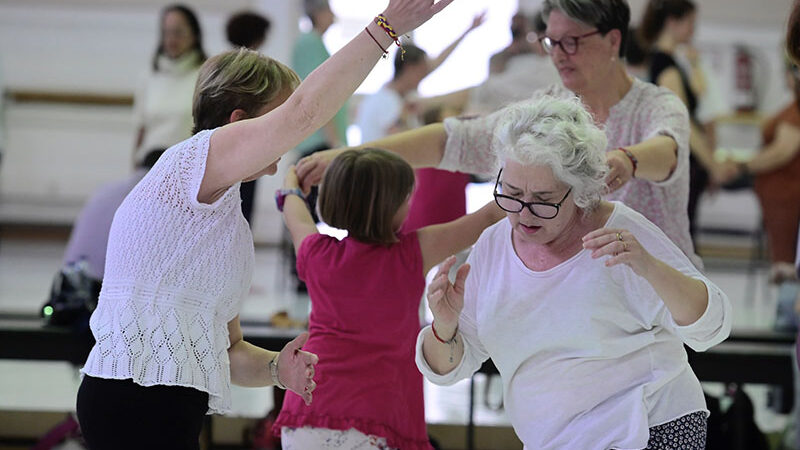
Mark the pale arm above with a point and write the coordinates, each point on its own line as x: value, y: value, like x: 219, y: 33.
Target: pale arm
x: 421, y: 147
x: 685, y: 297
x: 238, y: 150
x: 697, y: 77
x: 779, y: 152
x: 296, y: 214
x: 456, y: 99
x: 249, y: 364
x: 698, y: 144
x: 656, y: 158
x: 442, y: 240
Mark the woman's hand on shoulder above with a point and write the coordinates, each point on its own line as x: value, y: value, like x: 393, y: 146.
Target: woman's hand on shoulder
x: 311, y: 168
x: 296, y: 368
x: 446, y: 299
x: 622, y: 247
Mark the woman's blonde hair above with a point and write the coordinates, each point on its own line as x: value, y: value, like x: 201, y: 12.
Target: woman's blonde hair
x: 361, y: 192
x: 237, y: 79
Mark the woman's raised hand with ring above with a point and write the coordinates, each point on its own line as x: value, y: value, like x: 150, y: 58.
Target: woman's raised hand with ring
x: 446, y: 299
x: 406, y: 15
x: 622, y: 247
x: 296, y: 368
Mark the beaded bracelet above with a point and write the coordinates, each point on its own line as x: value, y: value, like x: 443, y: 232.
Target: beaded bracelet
x: 384, y: 23
x: 385, y: 53
x: 632, y: 158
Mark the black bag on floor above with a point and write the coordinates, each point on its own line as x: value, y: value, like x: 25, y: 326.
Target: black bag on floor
x: 736, y: 427
x: 73, y: 297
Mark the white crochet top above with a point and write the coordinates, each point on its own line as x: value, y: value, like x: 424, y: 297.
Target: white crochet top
x: 176, y: 273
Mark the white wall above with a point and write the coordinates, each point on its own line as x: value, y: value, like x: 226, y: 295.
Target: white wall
x: 57, y: 154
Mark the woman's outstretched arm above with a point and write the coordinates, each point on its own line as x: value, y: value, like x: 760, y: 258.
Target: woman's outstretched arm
x: 242, y: 149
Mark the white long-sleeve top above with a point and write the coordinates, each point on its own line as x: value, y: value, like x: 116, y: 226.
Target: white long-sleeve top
x: 589, y: 355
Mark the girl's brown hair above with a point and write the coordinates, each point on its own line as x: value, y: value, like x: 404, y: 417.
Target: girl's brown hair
x: 361, y: 192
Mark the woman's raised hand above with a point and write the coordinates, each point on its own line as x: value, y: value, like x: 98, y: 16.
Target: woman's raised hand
x: 622, y: 246
x: 406, y: 15
x: 446, y: 299
x: 296, y: 368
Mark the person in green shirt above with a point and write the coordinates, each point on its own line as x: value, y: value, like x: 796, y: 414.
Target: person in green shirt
x: 308, y: 53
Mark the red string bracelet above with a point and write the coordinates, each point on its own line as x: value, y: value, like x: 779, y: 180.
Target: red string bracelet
x: 384, y: 23
x: 632, y: 158
x: 385, y: 53
x: 436, y: 335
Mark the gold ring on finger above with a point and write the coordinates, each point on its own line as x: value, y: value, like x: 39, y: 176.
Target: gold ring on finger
x: 624, y: 246
x: 619, y: 236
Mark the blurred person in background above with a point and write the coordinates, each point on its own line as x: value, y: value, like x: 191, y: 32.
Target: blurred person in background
x: 249, y: 30
x: 395, y: 107
x: 666, y: 25
x: 521, y: 39
x: 776, y: 171
x: 162, y: 105
x: 89, y: 236
x: 309, y: 52
x: 523, y: 72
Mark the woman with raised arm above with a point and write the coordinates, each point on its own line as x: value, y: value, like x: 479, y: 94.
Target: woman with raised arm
x: 647, y: 126
x: 180, y: 254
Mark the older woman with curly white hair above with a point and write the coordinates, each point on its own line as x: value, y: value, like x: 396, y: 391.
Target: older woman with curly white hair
x: 583, y: 304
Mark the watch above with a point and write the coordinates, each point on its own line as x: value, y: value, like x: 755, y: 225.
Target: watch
x: 280, y: 196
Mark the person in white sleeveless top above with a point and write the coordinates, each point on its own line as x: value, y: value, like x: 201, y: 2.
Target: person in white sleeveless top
x: 180, y: 254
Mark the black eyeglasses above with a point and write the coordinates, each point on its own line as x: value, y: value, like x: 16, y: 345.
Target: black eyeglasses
x: 568, y: 44
x: 542, y: 210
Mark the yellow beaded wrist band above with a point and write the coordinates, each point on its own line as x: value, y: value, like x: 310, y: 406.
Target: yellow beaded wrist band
x: 384, y: 23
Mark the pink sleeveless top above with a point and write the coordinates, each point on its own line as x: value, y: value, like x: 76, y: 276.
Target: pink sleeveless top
x: 363, y: 325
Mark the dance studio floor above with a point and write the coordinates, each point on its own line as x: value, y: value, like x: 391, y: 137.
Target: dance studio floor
x: 27, y: 265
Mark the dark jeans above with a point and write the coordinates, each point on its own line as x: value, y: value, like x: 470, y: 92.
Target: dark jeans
x: 120, y: 414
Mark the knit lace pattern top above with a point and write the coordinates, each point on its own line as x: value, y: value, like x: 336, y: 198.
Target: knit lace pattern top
x: 176, y: 273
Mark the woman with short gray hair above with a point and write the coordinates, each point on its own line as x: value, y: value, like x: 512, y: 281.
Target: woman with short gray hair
x: 583, y: 304
x: 647, y: 126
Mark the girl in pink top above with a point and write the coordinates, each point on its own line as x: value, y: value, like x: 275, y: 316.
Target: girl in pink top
x: 365, y: 292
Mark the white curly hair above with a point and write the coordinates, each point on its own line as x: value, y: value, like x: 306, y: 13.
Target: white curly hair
x: 559, y: 133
